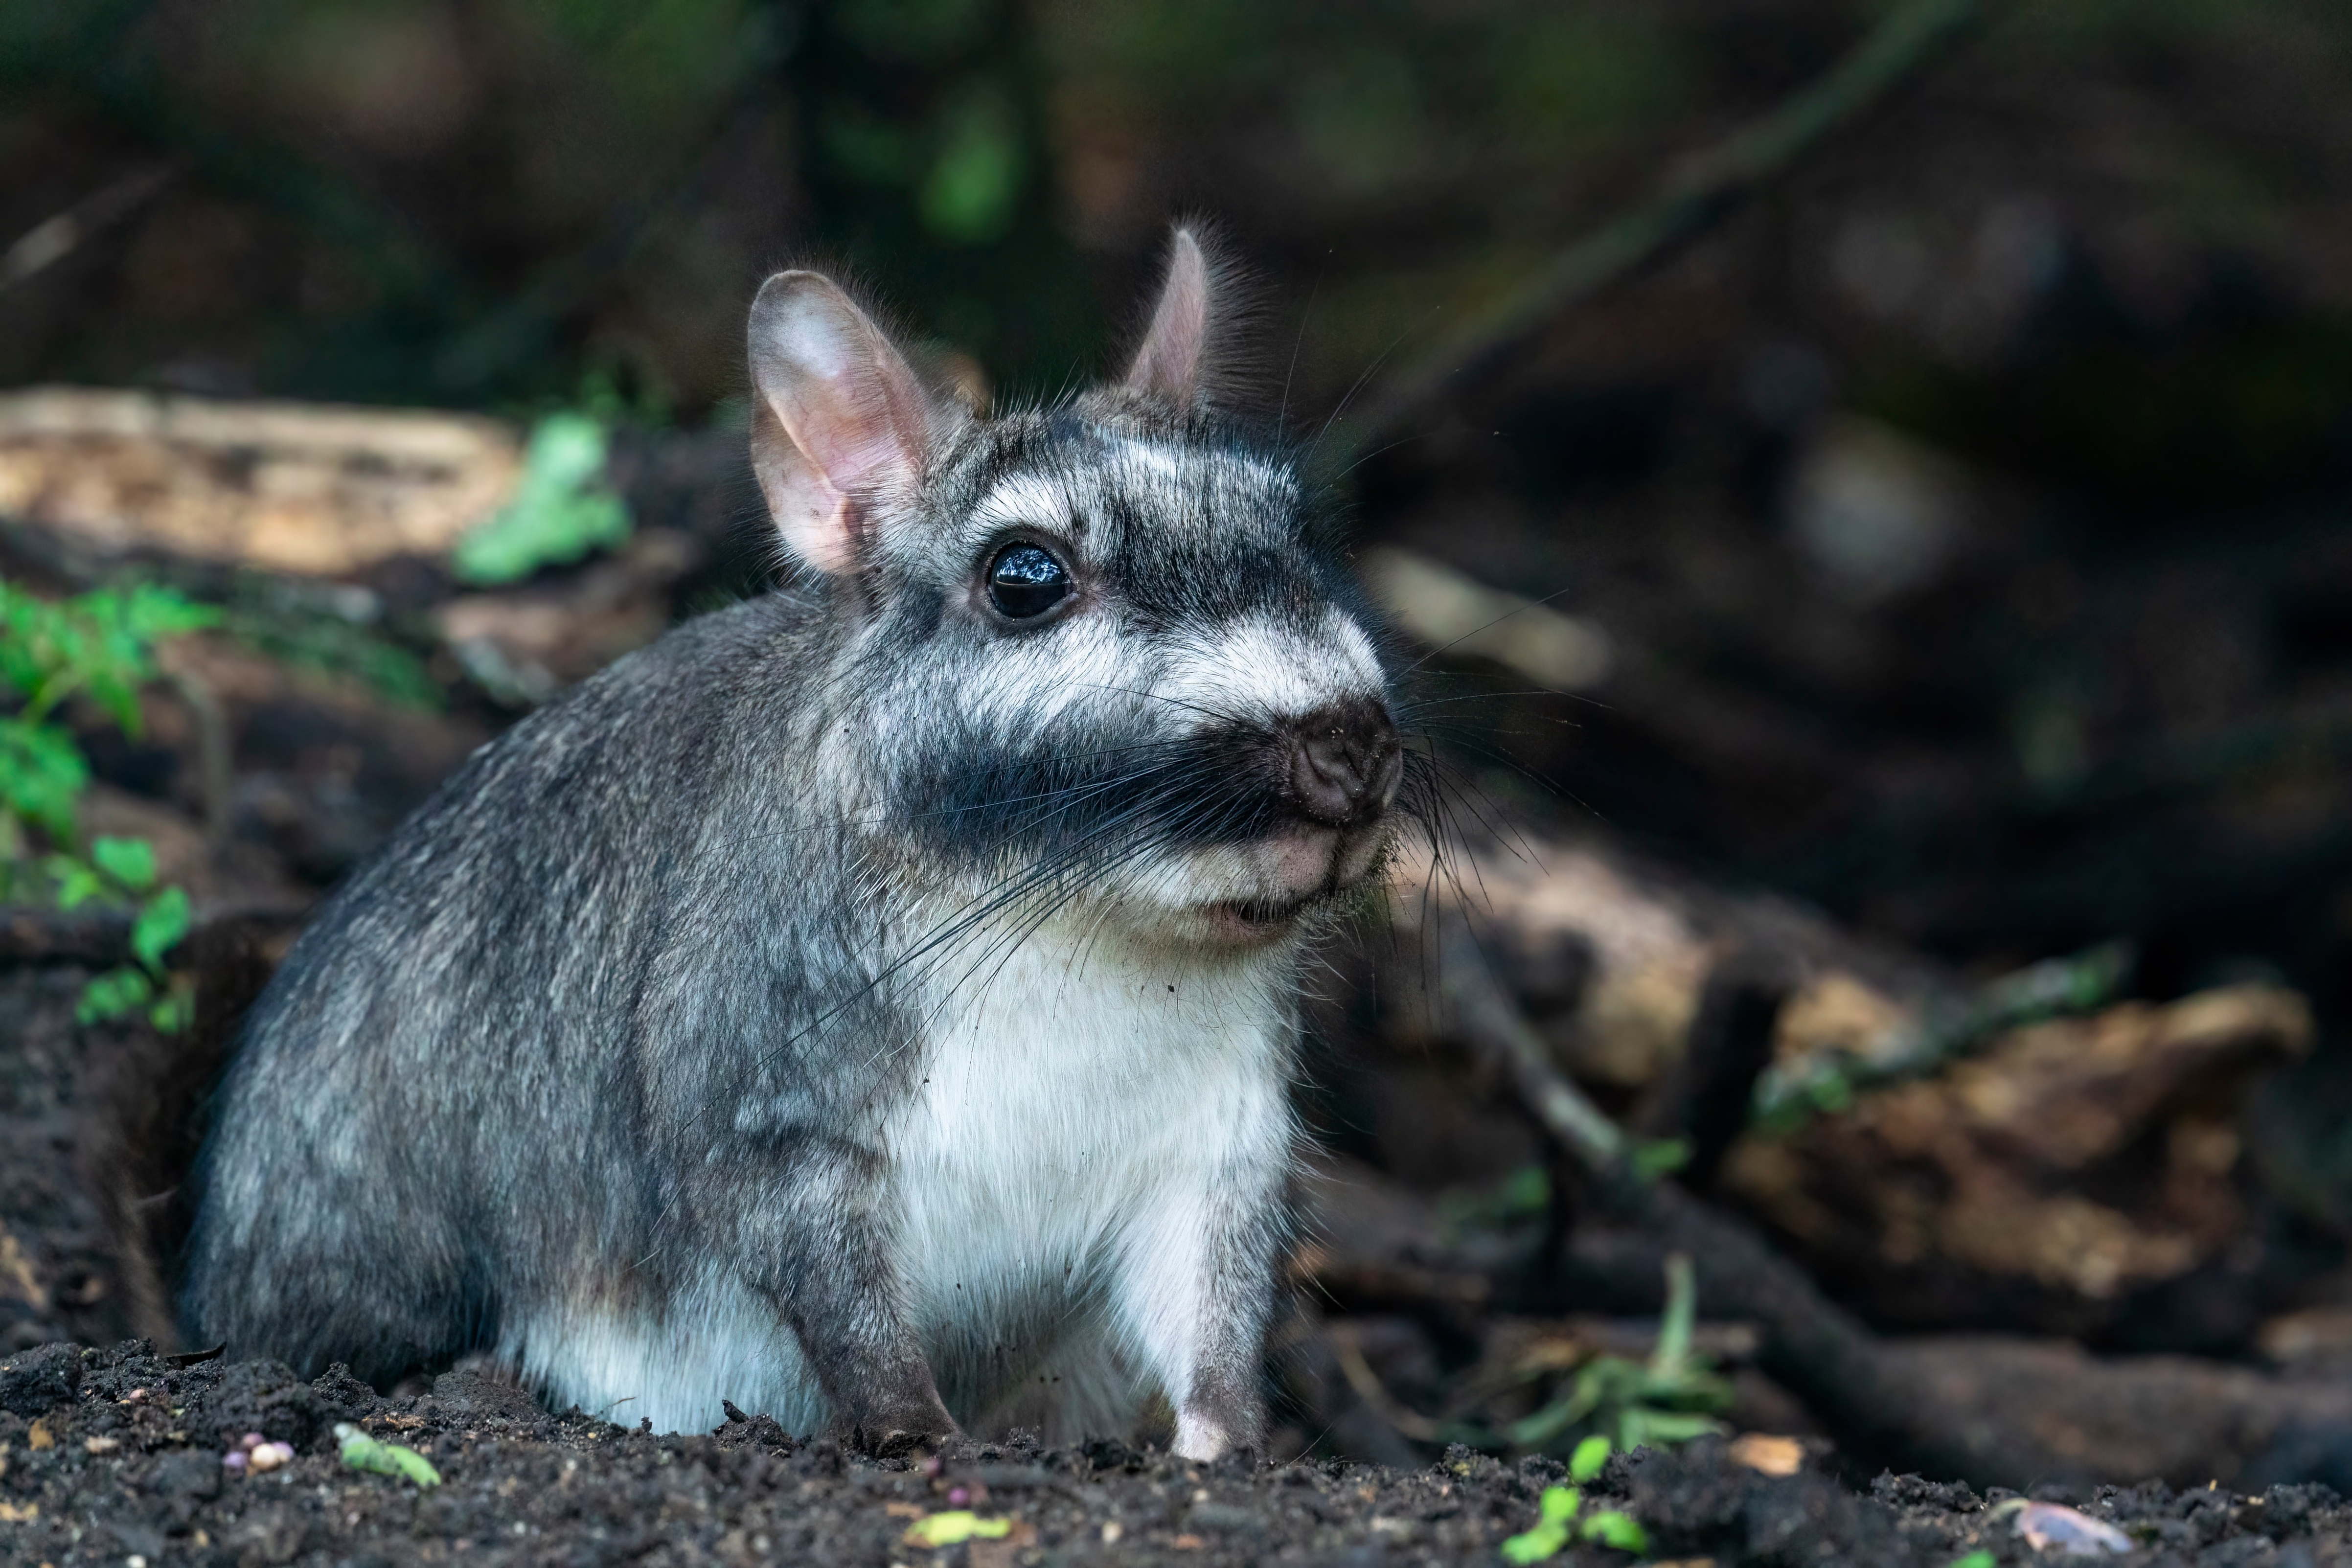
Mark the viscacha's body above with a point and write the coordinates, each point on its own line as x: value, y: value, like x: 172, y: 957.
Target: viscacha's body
x: 873, y: 1004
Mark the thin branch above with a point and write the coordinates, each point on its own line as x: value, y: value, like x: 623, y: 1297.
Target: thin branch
x: 1697, y: 196
x: 1491, y: 1020
x: 53, y: 239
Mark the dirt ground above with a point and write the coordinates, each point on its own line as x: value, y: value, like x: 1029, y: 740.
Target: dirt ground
x: 114, y: 1456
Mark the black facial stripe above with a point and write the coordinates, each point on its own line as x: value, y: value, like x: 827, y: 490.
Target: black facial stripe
x: 1066, y: 795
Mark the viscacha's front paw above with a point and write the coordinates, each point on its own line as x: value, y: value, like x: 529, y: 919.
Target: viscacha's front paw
x: 1211, y: 1425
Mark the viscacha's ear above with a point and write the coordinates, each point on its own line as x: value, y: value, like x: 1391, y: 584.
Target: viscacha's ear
x: 1173, y: 362
x: 840, y: 423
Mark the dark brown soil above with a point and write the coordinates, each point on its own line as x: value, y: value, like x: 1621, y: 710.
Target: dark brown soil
x: 115, y: 1456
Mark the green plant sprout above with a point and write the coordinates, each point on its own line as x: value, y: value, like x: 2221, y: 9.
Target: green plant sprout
x: 360, y: 1452
x: 1557, y: 1521
x: 1670, y: 1398
x: 100, y: 645
x: 561, y: 510
x: 955, y: 1528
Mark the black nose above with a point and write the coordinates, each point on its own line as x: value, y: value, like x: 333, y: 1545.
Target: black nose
x: 1345, y: 762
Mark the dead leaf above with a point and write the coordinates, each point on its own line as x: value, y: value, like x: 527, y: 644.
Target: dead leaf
x: 1769, y: 1455
x: 16, y: 1272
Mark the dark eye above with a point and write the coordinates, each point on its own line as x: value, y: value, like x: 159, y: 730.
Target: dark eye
x: 1025, y: 580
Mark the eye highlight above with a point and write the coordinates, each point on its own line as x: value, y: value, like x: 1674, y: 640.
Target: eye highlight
x: 1025, y: 580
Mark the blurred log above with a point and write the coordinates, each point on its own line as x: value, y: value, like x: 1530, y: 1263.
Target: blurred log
x: 2037, y: 1184
x: 289, y: 487
x: 2054, y: 1174
x: 1989, y: 1411
x: 1639, y: 943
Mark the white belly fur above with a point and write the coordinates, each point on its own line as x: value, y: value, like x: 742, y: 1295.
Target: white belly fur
x: 1068, y: 1092
x: 1077, y: 1092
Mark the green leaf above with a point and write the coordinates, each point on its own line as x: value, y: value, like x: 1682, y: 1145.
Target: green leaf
x: 1979, y: 1559
x: 1586, y: 1462
x: 113, y: 994
x: 161, y: 921
x: 131, y: 862
x: 1616, y: 1530
x: 1535, y: 1545
x: 42, y: 774
x: 116, y: 690
x: 174, y: 1012
x: 1661, y: 1156
x: 954, y: 1528
x: 560, y: 510
x: 1647, y: 1427
x: 1680, y: 1320
x: 1558, y: 1505
x: 76, y: 883
x: 970, y: 193
x: 152, y: 614
x: 361, y: 1452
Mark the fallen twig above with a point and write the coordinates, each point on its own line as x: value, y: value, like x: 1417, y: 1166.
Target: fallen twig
x: 1373, y: 1392
x: 53, y: 239
x: 1493, y: 1024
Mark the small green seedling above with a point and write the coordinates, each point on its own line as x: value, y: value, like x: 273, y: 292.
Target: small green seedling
x: 361, y: 1452
x: 561, y: 510
x: 955, y: 1528
x: 1660, y: 1157
x: 101, y: 646
x: 1974, y: 1559
x: 1616, y: 1530
x: 1557, y: 1521
x: 1666, y: 1400
x: 1555, y: 1514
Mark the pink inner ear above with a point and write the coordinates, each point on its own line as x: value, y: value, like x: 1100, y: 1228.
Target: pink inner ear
x: 840, y: 413
x: 814, y: 517
x: 1168, y: 365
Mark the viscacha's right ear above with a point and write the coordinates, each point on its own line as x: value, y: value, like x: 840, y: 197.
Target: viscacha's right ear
x: 840, y: 426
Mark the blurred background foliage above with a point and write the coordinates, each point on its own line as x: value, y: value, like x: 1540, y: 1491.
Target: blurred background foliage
x: 1960, y: 511
x: 479, y: 202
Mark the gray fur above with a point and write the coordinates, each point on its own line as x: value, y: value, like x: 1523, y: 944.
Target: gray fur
x: 617, y: 1059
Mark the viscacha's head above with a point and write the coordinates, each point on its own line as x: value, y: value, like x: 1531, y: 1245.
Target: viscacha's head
x: 1107, y: 649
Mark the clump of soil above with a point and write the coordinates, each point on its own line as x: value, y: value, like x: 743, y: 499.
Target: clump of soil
x: 107, y: 1455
